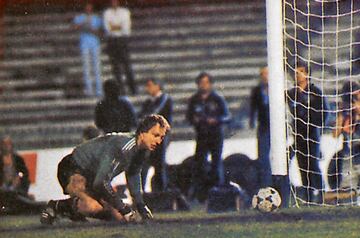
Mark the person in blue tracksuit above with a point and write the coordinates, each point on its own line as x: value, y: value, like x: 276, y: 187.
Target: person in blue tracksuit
x: 207, y: 112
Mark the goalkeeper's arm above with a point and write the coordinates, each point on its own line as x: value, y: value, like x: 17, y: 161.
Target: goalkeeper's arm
x: 134, y: 185
x: 103, y: 189
x: 133, y: 178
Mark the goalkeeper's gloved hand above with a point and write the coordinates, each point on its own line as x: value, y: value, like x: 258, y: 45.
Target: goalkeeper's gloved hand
x: 110, y: 196
x: 144, y: 211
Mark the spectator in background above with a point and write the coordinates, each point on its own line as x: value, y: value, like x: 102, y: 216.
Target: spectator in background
x: 14, y: 175
x: 351, y: 168
x: 158, y: 103
x: 308, y: 121
x: 207, y: 112
x: 356, y: 131
x: 117, y: 24
x: 114, y: 113
x: 348, y: 124
x: 15, y: 182
x: 90, y: 132
x: 89, y: 25
x: 344, y: 119
x: 259, y: 107
x: 356, y: 54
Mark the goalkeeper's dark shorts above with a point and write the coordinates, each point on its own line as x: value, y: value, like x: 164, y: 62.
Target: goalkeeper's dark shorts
x: 66, y: 168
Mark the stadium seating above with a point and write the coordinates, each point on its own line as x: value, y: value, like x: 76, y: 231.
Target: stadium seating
x: 41, y: 72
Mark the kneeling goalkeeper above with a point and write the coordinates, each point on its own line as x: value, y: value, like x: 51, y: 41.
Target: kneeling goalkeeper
x: 86, y: 174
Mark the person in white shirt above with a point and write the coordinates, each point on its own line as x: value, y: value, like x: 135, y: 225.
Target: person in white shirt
x: 117, y: 24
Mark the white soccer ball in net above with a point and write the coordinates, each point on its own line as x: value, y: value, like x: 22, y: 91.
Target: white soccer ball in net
x: 266, y: 200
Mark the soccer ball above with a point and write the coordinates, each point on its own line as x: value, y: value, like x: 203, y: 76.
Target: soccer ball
x: 266, y: 200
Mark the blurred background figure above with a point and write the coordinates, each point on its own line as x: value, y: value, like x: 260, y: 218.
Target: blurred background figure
x: 114, y: 113
x: 356, y: 136
x: 158, y: 103
x: 89, y: 26
x: 307, y: 126
x: 259, y: 108
x: 14, y: 182
x: 117, y: 24
x: 347, y: 117
x: 14, y: 175
x: 90, y: 132
x: 207, y: 112
x: 344, y: 169
x: 356, y: 56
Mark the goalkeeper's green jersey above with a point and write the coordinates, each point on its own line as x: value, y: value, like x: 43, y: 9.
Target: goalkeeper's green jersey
x: 105, y: 157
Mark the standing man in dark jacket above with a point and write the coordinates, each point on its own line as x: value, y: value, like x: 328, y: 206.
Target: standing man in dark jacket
x: 14, y: 175
x: 309, y: 109
x: 259, y: 107
x: 207, y: 112
x: 158, y: 103
x: 114, y: 113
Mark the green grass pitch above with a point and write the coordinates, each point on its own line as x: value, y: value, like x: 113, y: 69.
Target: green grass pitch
x: 288, y: 223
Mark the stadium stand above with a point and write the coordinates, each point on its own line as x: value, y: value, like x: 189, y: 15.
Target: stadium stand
x: 40, y: 75
x: 41, y: 71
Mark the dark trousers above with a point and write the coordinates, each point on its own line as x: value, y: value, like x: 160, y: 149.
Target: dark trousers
x: 205, y: 144
x: 263, y: 137
x: 308, y: 156
x: 118, y: 51
x: 282, y: 184
x: 157, y: 159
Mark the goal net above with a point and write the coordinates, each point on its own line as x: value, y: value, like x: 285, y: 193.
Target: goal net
x: 322, y: 73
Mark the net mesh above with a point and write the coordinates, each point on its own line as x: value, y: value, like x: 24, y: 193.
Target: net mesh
x: 322, y: 62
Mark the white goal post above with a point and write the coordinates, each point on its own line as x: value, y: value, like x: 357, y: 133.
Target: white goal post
x: 275, y: 59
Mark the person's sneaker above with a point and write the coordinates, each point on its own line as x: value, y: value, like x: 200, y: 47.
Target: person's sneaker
x: 48, y: 215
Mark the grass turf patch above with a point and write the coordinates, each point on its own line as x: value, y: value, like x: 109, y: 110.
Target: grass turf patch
x: 304, y: 222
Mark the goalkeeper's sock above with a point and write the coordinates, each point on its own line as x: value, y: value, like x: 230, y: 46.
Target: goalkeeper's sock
x: 67, y: 208
x: 62, y: 207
